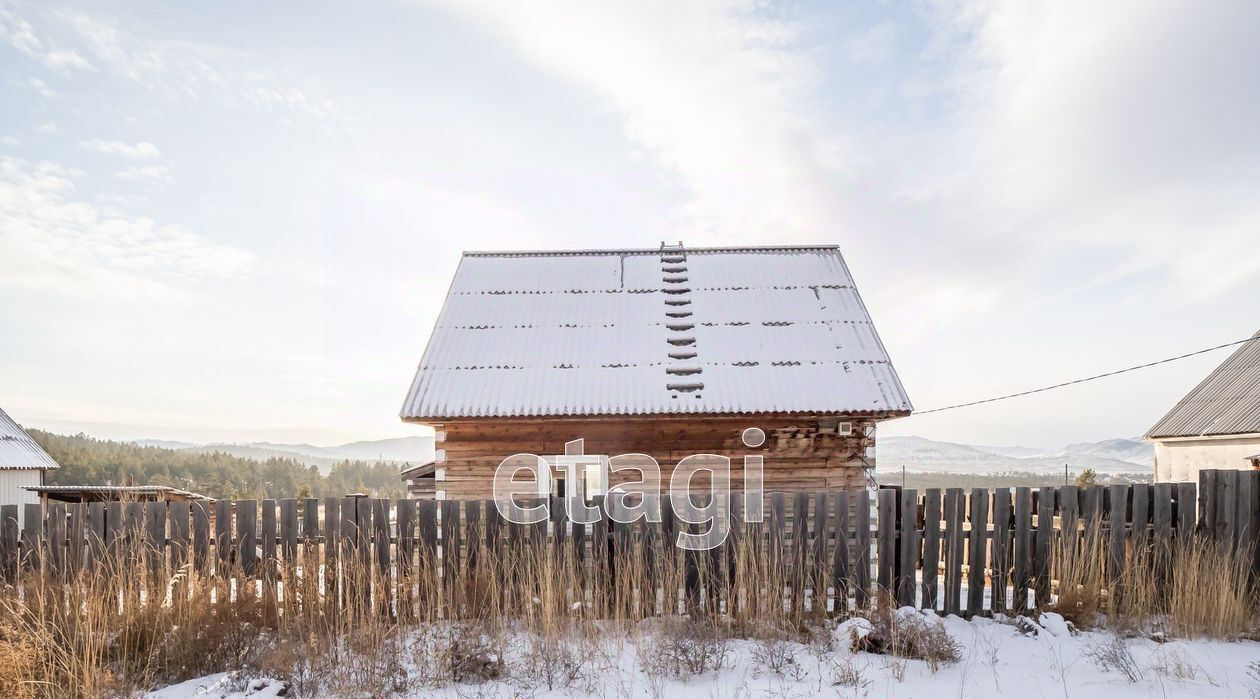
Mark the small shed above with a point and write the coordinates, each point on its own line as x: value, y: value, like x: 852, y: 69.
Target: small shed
x: 1216, y: 425
x: 106, y: 493
x: 420, y: 479
x: 667, y: 352
x: 23, y: 463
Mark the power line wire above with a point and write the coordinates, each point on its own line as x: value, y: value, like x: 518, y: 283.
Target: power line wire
x: 1087, y: 378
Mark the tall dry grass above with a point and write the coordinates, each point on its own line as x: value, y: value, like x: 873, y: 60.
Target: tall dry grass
x: 343, y: 625
x: 1193, y: 586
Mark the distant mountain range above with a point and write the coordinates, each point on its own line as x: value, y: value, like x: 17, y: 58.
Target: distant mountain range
x: 917, y: 454
x: 396, y: 450
x: 921, y: 455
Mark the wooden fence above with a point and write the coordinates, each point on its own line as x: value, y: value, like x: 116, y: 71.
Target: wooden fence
x: 957, y: 552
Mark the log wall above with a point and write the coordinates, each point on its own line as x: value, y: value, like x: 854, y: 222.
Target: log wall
x: 800, y: 453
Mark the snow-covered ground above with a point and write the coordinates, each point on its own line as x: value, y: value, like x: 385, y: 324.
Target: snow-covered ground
x: 999, y: 659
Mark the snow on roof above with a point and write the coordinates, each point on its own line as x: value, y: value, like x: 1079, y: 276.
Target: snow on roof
x: 669, y: 331
x: 1226, y: 402
x: 18, y: 450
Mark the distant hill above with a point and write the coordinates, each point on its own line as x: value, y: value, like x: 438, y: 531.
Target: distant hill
x: 214, y: 472
x: 396, y: 450
x: 921, y: 455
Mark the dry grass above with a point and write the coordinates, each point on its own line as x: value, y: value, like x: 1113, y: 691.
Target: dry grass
x: 346, y: 627
x: 1193, y: 588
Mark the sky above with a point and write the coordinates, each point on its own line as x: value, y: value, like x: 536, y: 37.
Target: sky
x: 237, y: 221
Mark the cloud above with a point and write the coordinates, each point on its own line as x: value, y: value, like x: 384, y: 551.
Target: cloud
x: 1015, y: 141
x: 49, y: 127
x: 191, y: 70
x: 1118, y: 129
x: 175, y: 69
x: 18, y: 33
x: 42, y: 88
x: 140, y: 151
x: 50, y: 240
x: 147, y: 172
x: 714, y: 92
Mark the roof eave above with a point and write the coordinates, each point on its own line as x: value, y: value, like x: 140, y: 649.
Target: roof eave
x: 870, y: 414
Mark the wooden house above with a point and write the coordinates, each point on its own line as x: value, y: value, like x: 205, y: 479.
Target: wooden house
x: 667, y: 352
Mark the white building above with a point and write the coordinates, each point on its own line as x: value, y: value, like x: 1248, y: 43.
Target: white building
x: 1217, y: 425
x: 23, y: 463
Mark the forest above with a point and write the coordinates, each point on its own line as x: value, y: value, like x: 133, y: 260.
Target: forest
x: 86, y: 460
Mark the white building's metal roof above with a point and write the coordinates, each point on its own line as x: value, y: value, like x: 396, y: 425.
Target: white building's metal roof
x: 18, y: 450
x: 1226, y: 402
x: 773, y: 330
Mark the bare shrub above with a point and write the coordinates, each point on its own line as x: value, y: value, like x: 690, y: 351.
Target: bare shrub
x: 557, y: 662
x: 1253, y: 678
x: 684, y: 647
x: 471, y: 653
x: 780, y: 656
x: 847, y: 674
x: 1175, y: 665
x: 1113, y: 655
x: 907, y: 635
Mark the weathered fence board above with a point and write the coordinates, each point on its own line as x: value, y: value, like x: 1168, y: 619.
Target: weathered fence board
x: 1001, y: 549
x: 955, y: 506
x: 1021, y: 578
x: 994, y: 547
x: 931, y: 546
x: 976, y: 548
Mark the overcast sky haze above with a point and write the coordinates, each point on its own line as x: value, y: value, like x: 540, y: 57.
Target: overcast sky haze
x: 237, y: 221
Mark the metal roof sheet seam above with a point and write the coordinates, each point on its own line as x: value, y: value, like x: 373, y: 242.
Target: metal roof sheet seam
x: 779, y: 329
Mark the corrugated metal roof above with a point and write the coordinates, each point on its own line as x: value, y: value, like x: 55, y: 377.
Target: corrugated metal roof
x: 1226, y: 402
x: 18, y: 450
x: 608, y: 332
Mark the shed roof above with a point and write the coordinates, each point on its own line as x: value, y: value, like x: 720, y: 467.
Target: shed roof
x: 653, y: 332
x: 86, y: 492
x: 18, y: 450
x: 1226, y: 402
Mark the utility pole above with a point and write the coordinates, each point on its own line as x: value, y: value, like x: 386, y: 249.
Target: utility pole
x: 903, y: 476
